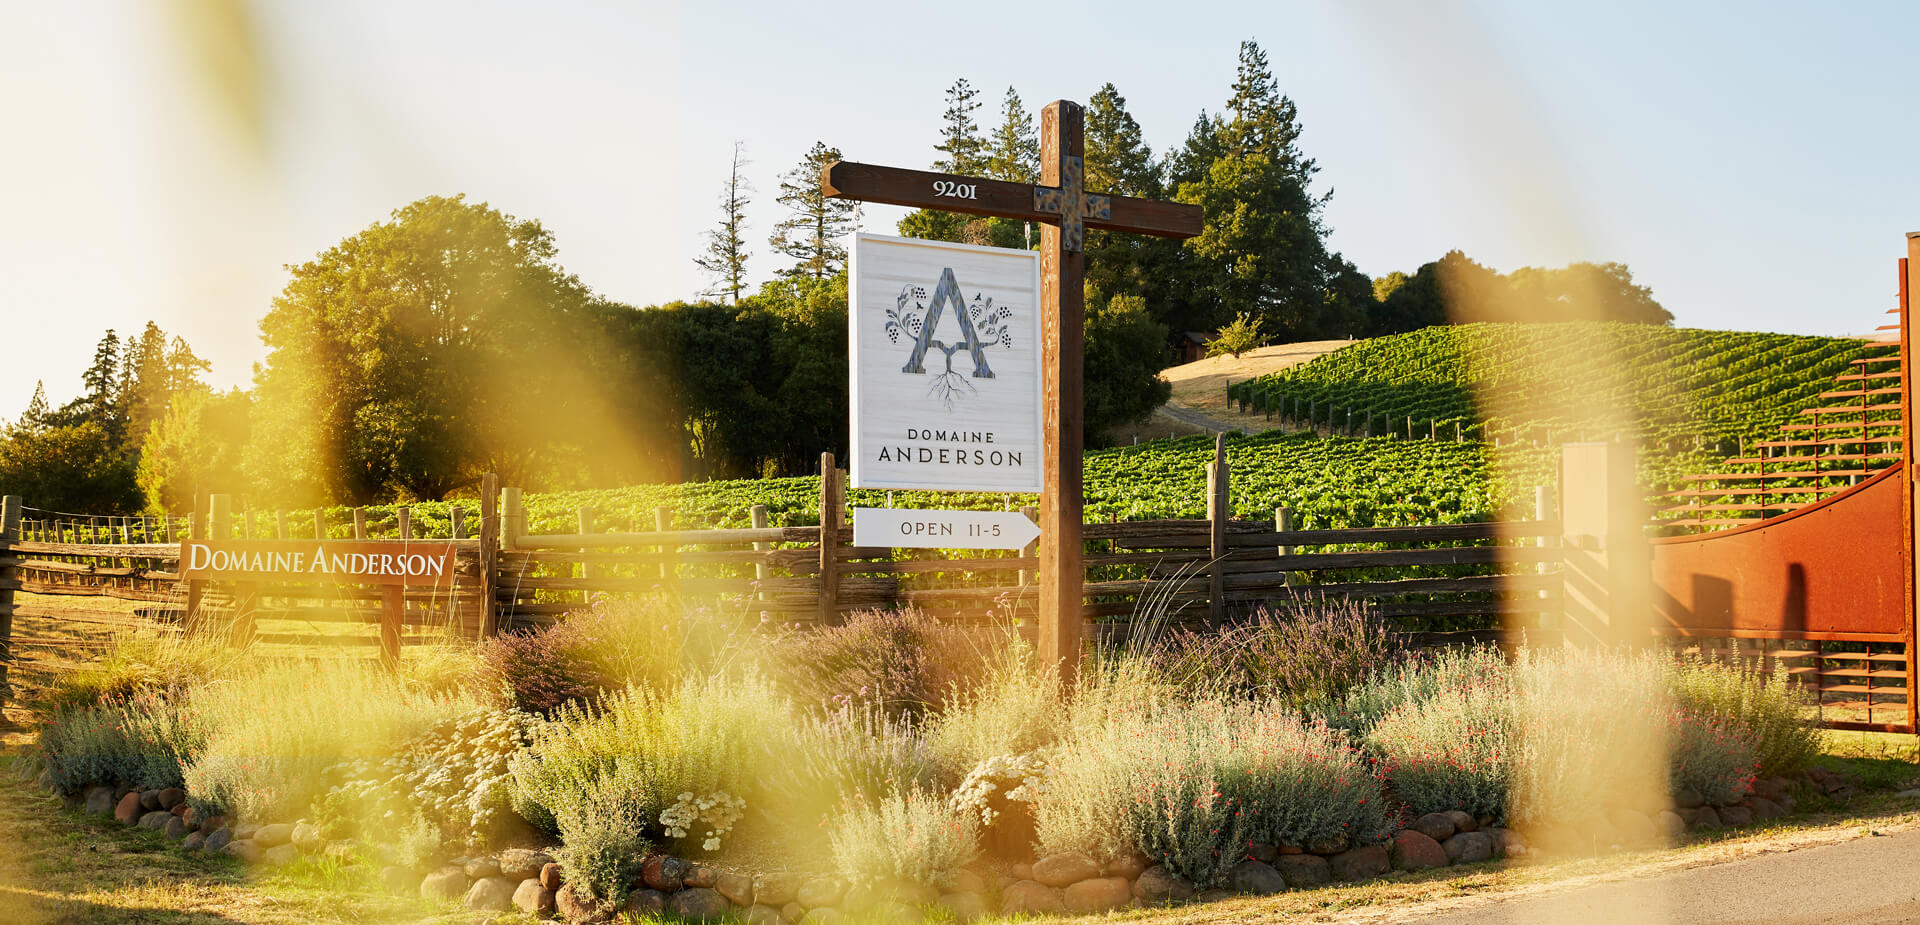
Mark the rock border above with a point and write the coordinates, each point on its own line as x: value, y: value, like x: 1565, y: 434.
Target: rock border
x: 531, y: 881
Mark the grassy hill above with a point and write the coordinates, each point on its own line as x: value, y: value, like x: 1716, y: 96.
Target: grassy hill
x: 1689, y: 396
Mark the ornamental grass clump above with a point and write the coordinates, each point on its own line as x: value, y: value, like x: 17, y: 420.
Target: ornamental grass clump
x: 606, y: 647
x: 1592, y: 735
x: 856, y: 753
x: 274, y: 730
x: 908, y: 835
x: 1411, y: 679
x: 1304, y: 655
x: 143, y: 740
x: 170, y: 665
x: 903, y: 661
x: 1015, y: 708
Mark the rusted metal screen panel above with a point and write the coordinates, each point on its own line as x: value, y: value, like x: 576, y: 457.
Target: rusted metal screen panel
x: 1832, y: 569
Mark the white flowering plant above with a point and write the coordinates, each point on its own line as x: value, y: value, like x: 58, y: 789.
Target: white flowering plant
x: 454, y: 776
x: 1000, y: 779
x: 719, y: 811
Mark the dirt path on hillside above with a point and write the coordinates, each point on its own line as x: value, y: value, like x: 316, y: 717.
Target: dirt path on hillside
x: 1199, y: 404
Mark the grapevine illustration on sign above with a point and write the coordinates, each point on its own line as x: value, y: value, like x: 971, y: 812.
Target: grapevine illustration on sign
x: 981, y: 322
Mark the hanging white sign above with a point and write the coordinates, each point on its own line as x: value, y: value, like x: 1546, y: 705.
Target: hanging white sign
x: 945, y: 358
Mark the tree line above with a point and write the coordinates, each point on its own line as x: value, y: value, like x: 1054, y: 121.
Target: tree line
x: 1263, y: 254
x: 448, y: 341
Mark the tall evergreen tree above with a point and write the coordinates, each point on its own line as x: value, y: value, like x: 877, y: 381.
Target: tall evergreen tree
x: 36, y: 413
x: 1118, y: 159
x: 103, y: 374
x: 965, y: 153
x: 1013, y: 153
x: 726, y: 257
x: 1263, y: 251
x: 811, y: 235
x: 960, y: 141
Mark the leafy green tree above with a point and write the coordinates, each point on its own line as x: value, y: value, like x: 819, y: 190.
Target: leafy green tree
x: 1579, y: 292
x: 74, y: 466
x: 1386, y: 285
x: 1237, y: 337
x: 811, y: 234
x: 425, y: 350
x: 809, y: 358
x: 198, y: 446
x: 1456, y: 290
x: 1124, y: 348
x: 726, y: 256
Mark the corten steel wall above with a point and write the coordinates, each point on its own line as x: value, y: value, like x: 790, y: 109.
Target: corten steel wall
x: 1834, y: 570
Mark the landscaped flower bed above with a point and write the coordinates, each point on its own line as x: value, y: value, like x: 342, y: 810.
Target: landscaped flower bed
x: 633, y: 760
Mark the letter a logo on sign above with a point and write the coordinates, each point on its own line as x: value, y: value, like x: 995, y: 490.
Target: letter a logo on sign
x: 917, y: 318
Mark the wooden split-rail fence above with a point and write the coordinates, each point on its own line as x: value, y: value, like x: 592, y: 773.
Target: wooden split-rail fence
x: 1427, y: 578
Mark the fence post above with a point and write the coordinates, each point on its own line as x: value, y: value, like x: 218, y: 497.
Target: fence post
x: 831, y: 496
x: 669, y: 550
x: 584, y: 524
x: 1283, y: 523
x: 405, y: 515
x: 489, y: 549
x: 1217, y: 513
x: 513, y: 518
x: 457, y: 521
x: 319, y: 524
x: 196, y: 524
x: 9, y: 581
x: 1543, y: 511
x: 359, y: 523
x: 280, y: 530
x: 393, y: 603
x: 1029, y: 576
x: 758, y: 514
x: 1607, y: 560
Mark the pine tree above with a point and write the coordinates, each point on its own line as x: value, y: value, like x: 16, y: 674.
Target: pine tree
x: 1014, y: 151
x: 1118, y: 159
x: 104, y: 373
x: 966, y: 154
x: 184, y: 369
x: 959, y: 134
x: 150, y: 392
x: 35, y: 417
x: 1263, y: 251
x: 726, y: 258
x: 1262, y: 120
x: 812, y: 234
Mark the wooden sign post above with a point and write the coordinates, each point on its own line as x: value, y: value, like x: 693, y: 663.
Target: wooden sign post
x: 1065, y: 210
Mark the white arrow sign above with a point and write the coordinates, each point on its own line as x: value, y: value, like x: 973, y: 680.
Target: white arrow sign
x: 900, y: 527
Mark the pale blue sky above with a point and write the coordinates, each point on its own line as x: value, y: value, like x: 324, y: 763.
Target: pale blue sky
x: 1746, y: 160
